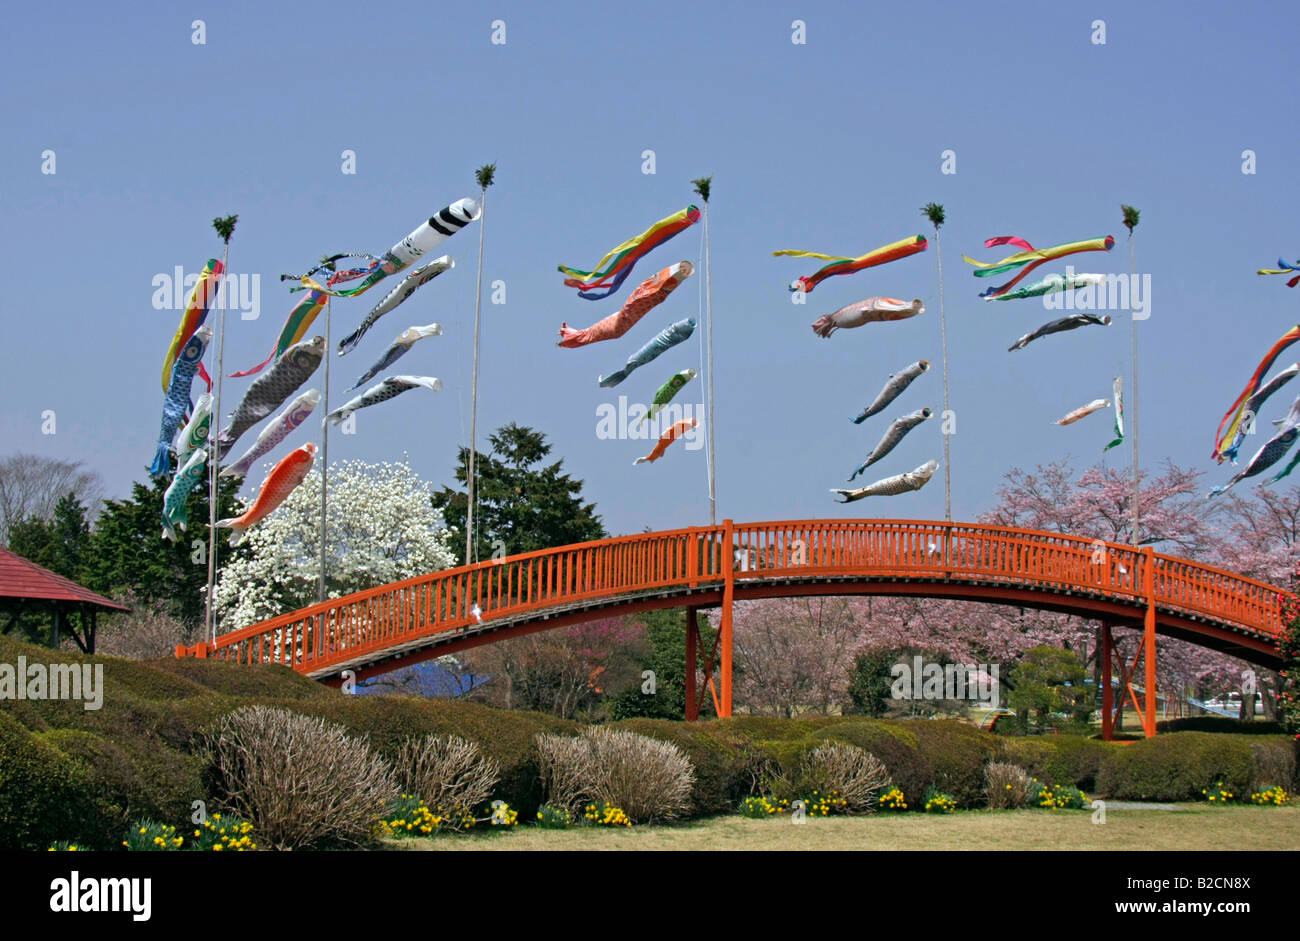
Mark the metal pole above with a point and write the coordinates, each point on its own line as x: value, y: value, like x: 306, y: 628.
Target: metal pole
x: 324, y: 454
x: 214, y: 429
x: 473, y: 407
x: 708, y: 312
x: 943, y: 327
x: 1133, y: 405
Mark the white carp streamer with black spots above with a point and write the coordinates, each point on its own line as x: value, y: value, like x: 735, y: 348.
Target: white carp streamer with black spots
x: 390, y: 387
x: 892, y: 486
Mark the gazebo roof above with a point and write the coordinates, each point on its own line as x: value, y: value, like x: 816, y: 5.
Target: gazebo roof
x: 24, y: 580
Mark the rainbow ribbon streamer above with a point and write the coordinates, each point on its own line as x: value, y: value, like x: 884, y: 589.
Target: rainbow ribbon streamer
x: 840, y: 264
x: 201, y: 300
x: 1232, y: 420
x: 1284, y: 268
x: 612, y: 270
x: 1029, y: 259
x: 294, y: 329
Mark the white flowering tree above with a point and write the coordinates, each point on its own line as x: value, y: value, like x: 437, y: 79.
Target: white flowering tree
x: 382, y: 527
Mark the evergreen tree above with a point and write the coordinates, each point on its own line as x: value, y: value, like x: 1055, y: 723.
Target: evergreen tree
x: 129, y: 554
x: 666, y: 631
x: 60, y: 544
x: 520, y: 505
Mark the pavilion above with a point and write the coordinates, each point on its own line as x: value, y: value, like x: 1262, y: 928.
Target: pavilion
x: 27, y: 588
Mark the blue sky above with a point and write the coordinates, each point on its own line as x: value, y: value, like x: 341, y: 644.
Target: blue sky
x: 832, y: 146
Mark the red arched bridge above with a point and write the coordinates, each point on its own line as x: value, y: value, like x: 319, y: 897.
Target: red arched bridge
x: 379, y: 629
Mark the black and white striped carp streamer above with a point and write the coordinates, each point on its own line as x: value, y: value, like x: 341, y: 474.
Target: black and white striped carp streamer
x: 892, y: 486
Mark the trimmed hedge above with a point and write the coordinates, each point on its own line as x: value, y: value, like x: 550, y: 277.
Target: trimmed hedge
x: 71, y: 773
x: 1059, y: 759
x: 43, y: 794
x: 1176, y: 766
x: 1220, y: 724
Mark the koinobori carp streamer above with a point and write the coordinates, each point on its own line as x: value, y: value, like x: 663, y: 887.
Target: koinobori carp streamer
x: 612, y: 270
x: 892, y: 486
x: 1073, y: 322
x: 1232, y: 419
x: 665, y: 392
x: 1272, y: 451
x: 668, y: 437
x: 175, y: 512
x: 872, y: 310
x: 405, y: 288
x: 1030, y: 259
x: 894, y: 387
x: 270, y: 390
x: 177, y: 400
x: 1117, y: 390
x: 666, y: 339
x: 294, y: 414
x: 1253, y: 405
x: 282, y: 481
x: 429, y: 235
x: 390, y: 387
x: 649, y: 294
x: 399, y: 348
x: 840, y: 264
x: 1084, y: 411
x: 893, y: 435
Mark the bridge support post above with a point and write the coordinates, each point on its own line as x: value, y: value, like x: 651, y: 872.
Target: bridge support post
x: 692, y: 660
x: 1149, y: 642
x: 1107, y: 689
x: 724, y: 630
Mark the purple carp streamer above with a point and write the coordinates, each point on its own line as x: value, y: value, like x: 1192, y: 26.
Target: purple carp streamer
x: 896, y: 432
x: 892, y: 486
x: 894, y: 387
x: 294, y: 414
x: 1073, y: 322
x: 405, y: 288
x: 872, y: 310
x: 1254, y: 404
x: 1273, y: 451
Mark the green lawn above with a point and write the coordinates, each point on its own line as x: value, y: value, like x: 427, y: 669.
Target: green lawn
x: 1190, y: 827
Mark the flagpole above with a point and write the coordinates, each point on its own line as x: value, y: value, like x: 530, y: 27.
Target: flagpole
x: 324, y: 453
x: 473, y: 407
x: 214, y: 429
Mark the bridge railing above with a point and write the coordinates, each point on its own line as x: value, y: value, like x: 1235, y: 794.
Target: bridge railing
x: 408, y: 612
x: 380, y: 618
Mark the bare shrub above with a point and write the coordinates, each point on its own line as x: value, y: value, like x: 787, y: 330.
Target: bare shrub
x: 644, y: 777
x: 448, y: 773
x: 146, y: 633
x: 847, y: 772
x: 1272, y: 764
x: 565, y: 763
x: 1007, y: 786
x: 301, y: 781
